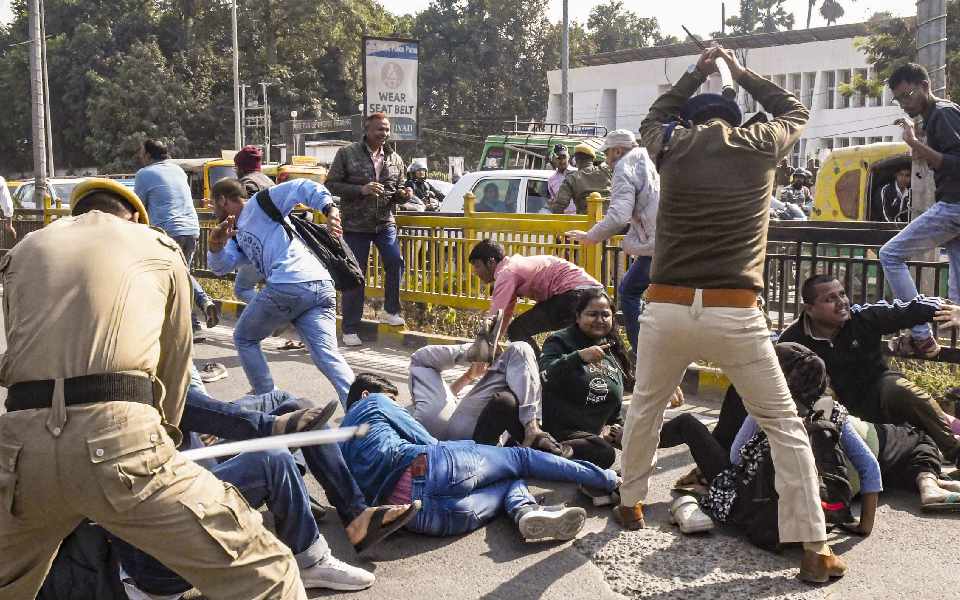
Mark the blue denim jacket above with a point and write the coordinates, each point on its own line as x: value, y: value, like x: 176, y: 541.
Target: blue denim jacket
x: 378, y: 459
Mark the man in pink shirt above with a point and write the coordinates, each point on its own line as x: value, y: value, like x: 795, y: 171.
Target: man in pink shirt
x: 554, y: 283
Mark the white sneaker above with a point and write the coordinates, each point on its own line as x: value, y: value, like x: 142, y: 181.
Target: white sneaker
x: 352, y: 340
x: 334, y: 574
x: 392, y: 319
x: 547, y: 523
x: 685, y: 512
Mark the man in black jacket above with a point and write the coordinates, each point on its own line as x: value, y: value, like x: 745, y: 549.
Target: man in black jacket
x: 849, y: 340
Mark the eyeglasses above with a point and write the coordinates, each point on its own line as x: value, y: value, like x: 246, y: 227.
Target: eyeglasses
x: 905, y: 96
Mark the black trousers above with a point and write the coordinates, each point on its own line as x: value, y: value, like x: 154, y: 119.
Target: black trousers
x: 906, y: 452
x: 502, y: 413
x: 590, y: 447
x: 900, y: 401
x: 552, y: 314
x: 711, y: 451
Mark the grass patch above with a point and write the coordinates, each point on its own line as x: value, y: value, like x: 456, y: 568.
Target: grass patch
x: 935, y: 378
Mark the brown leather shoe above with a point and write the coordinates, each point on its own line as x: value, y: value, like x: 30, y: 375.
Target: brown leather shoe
x: 819, y: 568
x: 629, y: 517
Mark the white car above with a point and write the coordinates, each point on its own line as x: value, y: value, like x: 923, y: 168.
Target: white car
x: 57, y: 188
x: 508, y: 191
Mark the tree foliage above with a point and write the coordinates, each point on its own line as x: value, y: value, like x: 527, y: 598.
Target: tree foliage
x: 121, y: 70
x: 760, y: 16
x: 892, y: 42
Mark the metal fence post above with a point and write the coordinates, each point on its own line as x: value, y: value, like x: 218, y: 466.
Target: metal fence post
x: 593, y: 253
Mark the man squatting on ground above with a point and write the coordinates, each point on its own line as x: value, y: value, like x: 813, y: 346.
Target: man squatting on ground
x: 702, y: 302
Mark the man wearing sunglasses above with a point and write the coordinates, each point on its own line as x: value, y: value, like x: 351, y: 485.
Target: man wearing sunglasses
x: 940, y: 224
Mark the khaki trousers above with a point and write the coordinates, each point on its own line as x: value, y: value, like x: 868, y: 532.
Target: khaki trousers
x: 114, y: 464
x: 736, y: 340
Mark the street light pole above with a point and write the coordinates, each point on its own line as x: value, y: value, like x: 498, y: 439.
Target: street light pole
x: 237, y: 128
x: 51, y: 170
x: 565, y: 65
x: 36, y: 107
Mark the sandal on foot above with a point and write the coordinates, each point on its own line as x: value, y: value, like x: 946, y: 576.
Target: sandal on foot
x: 377, y: 530
x: 950, y: 504
x: 292, y: 345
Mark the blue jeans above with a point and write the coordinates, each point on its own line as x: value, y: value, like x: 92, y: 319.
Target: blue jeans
x: 389, y: 247
x: 253, y: 417
x: 269, y: 478
x: 311, y: 307
x: 630, y: 294
x: 245, y: 283
x: 188, y: 244
x: 468, y: 484
x: 938, y: 226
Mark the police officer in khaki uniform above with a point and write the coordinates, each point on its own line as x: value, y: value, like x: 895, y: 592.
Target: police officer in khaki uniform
x: 578, y: 185
x: 97, y: 313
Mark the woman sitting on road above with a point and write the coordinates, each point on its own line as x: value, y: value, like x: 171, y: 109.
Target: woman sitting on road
x: 583, y: 374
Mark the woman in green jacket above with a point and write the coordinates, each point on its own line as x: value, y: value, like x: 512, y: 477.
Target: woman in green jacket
x: 583, y: 382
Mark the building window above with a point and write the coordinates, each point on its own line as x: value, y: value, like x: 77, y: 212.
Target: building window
x: 858, y: 141
x: 844, y: 101
x: 794, y: 82
x: 842, y: 142
x: 826, y: 143
x: 888, y: 138
x: 809, y: 83
x: 859, y: 99
x: 780, y: 80
x: 875, y: 140
x: 829, y: 88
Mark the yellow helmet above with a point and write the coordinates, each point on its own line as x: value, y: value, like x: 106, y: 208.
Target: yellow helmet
x: 585, y: 149
x: 99, y: 184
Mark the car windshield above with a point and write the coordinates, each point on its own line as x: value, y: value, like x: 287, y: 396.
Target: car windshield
x: 222, y: 172
x: 64, y: 190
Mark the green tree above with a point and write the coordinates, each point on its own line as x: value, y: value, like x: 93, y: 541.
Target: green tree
x: 483, y: 63
x: 614, y: 28
x: 138, y: 96
x: 760, y: 16
x: 892, y: 42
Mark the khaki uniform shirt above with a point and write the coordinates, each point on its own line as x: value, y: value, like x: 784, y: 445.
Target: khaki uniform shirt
x: 96, y: 294
x: 580, y: 184
x: 715, y: 185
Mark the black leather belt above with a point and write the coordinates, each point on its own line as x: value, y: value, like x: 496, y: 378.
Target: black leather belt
x: 86, y: 389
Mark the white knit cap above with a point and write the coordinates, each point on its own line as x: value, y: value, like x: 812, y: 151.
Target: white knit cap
x: 619, y: 138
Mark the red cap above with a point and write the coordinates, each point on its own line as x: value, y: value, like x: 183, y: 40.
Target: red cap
x: 248, y: 159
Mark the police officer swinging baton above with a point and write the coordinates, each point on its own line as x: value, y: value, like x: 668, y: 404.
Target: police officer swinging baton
x: 276, y: 442
x: 726, y: 79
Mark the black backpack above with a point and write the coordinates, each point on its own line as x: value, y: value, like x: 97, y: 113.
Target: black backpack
x: 823, y: 425
x: 755, y: 508
x: 330, y: 250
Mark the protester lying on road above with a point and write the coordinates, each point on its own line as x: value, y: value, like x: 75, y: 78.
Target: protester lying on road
x: 849, y: 340
x: 279, y: 412
x: 462, y: 485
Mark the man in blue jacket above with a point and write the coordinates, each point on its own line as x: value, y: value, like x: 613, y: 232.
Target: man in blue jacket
x: 298, y: 289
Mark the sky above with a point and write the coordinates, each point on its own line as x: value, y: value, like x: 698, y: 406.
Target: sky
x: 700, y: 16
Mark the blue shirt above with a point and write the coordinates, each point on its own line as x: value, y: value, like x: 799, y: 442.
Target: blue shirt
x: 378, y: 459
x: 165, y: 191
x: 855, y: 449
x: 262, y: 242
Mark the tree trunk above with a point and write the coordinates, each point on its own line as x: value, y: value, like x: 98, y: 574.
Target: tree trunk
x: 810, y: 4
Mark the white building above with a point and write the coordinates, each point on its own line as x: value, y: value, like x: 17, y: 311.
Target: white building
x: 616, y: 89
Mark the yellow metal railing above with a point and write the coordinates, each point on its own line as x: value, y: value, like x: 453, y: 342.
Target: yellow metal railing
x: 435, y: 249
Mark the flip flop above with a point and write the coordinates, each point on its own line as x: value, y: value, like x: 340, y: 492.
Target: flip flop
x: 292, y: 345
x: 951, y: 504
x: 377, y: 531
